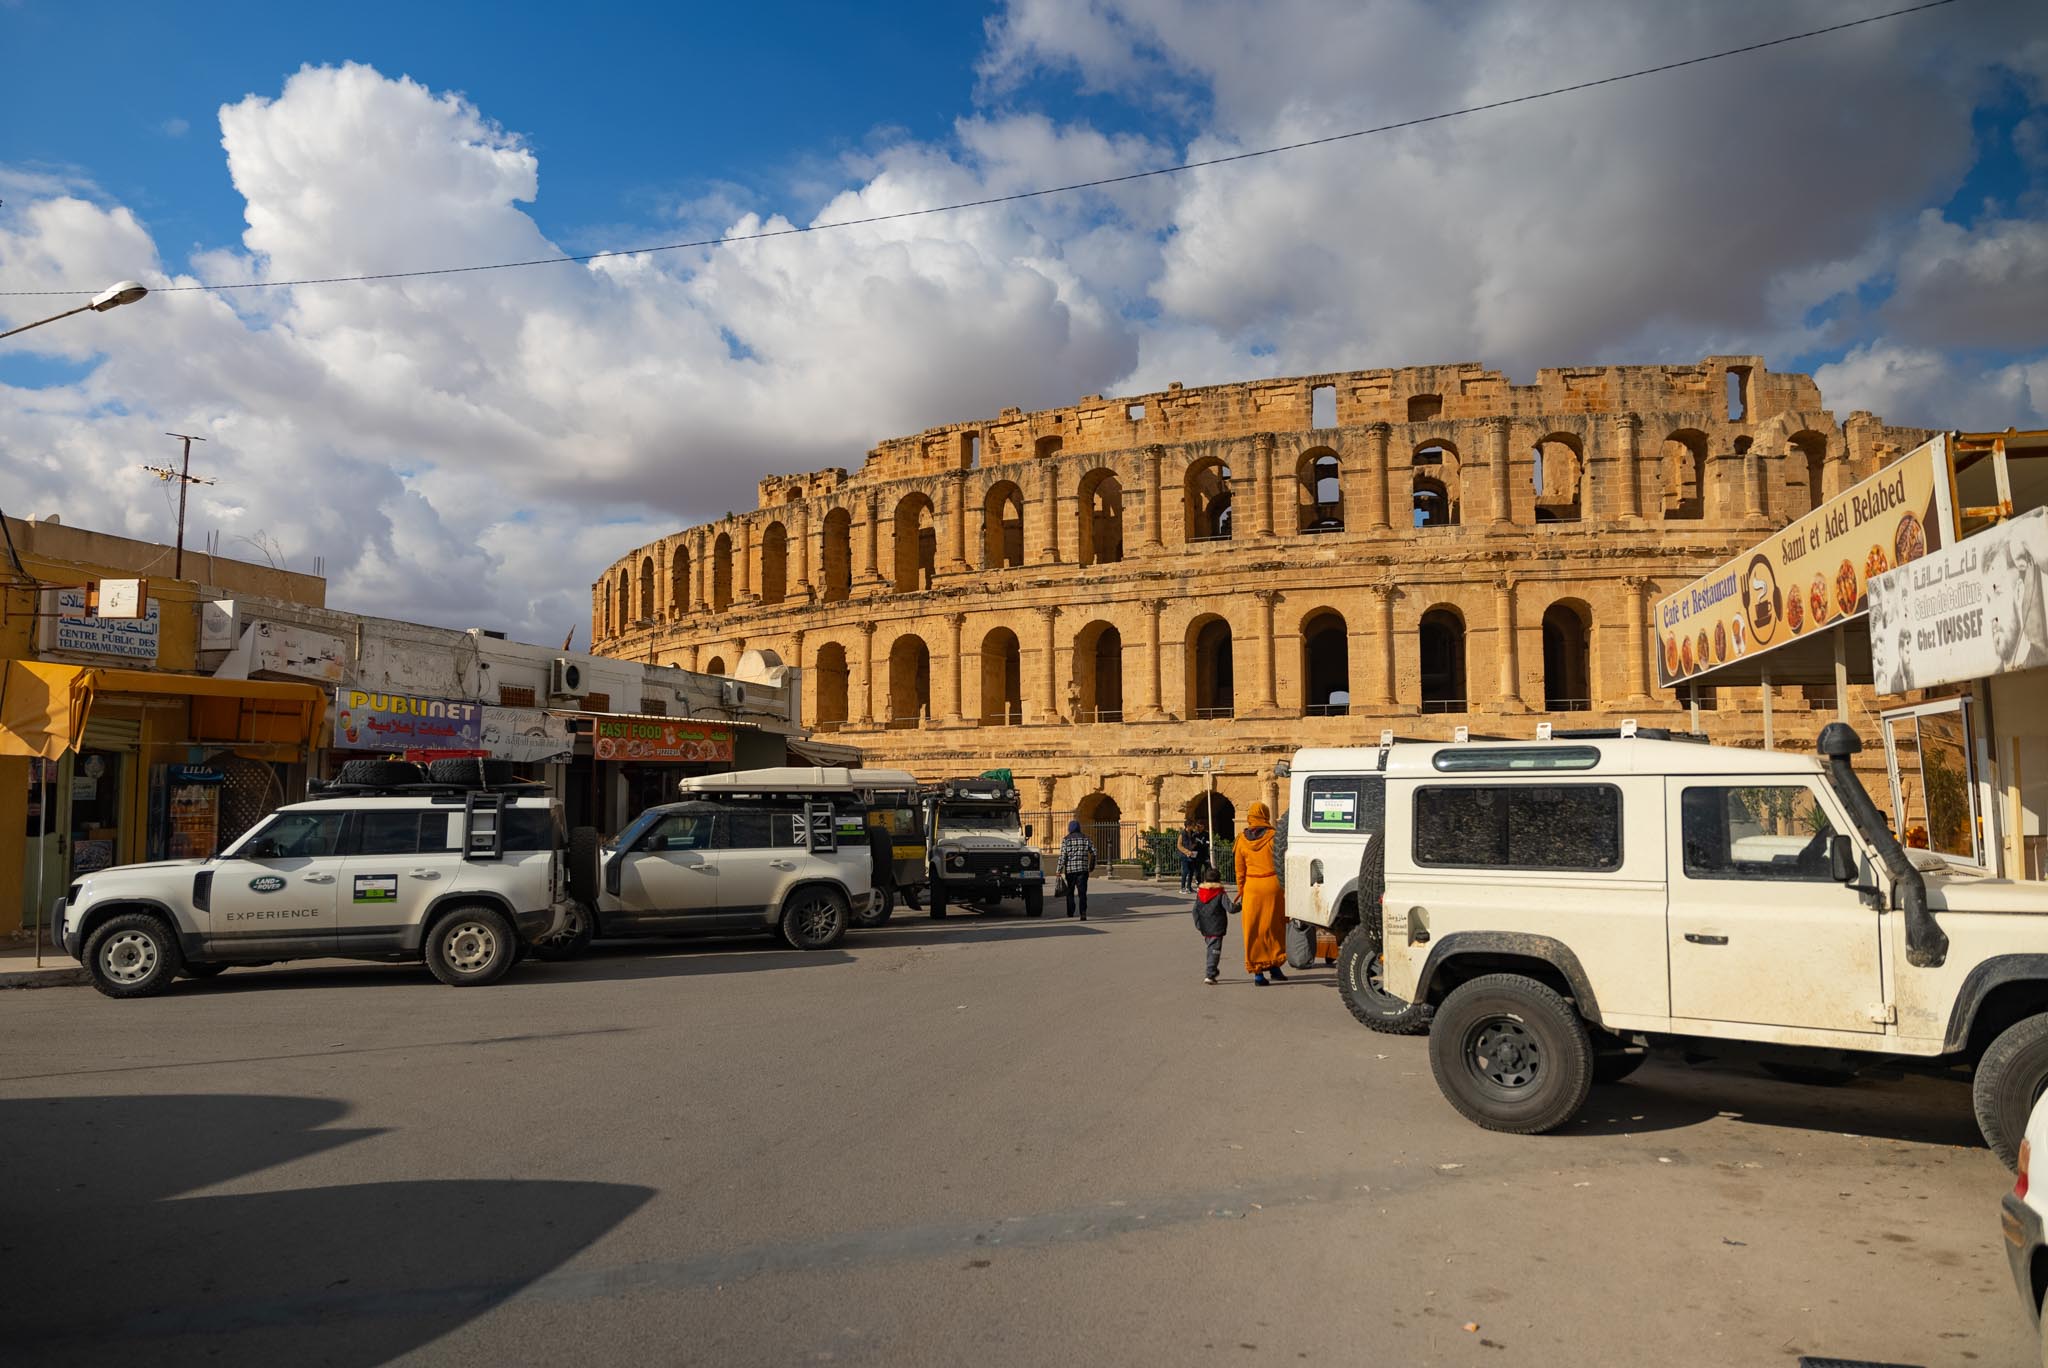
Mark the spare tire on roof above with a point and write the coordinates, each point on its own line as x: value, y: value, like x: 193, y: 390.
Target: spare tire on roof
x: 381, y: 773
x: 471, y: 771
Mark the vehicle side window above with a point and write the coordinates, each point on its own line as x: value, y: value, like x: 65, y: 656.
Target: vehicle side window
x: 1763, y: 831
x: 391, y: 833
x: 301, y: 835
x: 760, y: 828
x: 1519, y: 826
x: 529, y: 829
x: 1342, y: 803
x: 680, y: 831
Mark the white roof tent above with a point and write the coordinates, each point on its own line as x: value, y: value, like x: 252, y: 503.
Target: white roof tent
x: 797, y: 779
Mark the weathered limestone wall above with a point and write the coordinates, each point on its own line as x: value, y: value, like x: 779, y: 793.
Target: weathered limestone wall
x: 1063, y: 592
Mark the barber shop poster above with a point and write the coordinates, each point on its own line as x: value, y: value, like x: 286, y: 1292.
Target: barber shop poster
x: 1977, y: 609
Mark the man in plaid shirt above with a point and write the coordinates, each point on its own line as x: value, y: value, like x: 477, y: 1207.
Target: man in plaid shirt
x: 1077, y: 858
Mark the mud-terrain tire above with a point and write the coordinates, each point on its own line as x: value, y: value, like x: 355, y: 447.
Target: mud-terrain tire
x: 1359, y: 966
x: 1034, y: 900
x: 813, y: 918
x: 879, y: 911
x: 132, y: 955
x: 1511, y: 1055
x: 470, y: 946
x: 472, y: 771
x: 585, y: 854
x: 381, y: 773
x: 937, y: 898
x: 572, y: 940
x: 203, y: 969
x: 2010, y: 1079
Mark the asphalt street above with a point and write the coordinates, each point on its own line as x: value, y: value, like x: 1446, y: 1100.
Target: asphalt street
x: 985, y: 1140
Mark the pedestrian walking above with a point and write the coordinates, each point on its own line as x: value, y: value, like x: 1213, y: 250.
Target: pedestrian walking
x: 1077, y: 861
x: 1185, y: 844
x: 882, y: 856
x: 1212, y: 918
x: 1258, y: 898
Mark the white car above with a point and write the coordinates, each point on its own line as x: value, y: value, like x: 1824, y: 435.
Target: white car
x: 2023, y: 1214
x: 458, y: 878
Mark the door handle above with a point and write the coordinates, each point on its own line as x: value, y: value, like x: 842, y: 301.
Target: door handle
x: 703, y: 868
x: 782, y: 864
x: 1699, y: 939
x: 425, y: 874
x: 319, y: 878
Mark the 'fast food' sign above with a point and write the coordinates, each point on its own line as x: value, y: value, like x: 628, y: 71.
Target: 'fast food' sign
x: 1811, y: 575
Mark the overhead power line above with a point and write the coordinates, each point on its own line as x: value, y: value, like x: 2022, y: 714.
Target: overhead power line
x: 1044, y: 191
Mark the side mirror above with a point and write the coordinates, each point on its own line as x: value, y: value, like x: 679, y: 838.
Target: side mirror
x: 1841, y: 858
x: 1027, y: 831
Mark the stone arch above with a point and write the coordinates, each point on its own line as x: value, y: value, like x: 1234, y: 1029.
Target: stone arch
x: 679, y: 580
x: 774, y: 563
x: 1319, y: 480
x: 1099, y: 505
x: 910, y: 681
x: 1211, y: 668
x: 721, y: 573
x: 1002, y: 526
x: 1558, y: 472
x: 1435, y: 485
x: 647, y: 589
x: 1685, y: 474
x: 715, y: 666
x: 1813, y: 449
x: 1002, y: 679
x: 1325, y: 664
x: 1101, y: 821
x: 1099, y: 673
x: 1207, y: 498
x: 917, y: 543
x: 832, y: 686
x: 624, y: 601
x: 837, y: 556
x: 1219, y: 814
x: 1568, y: 656
x: 1441, y: 637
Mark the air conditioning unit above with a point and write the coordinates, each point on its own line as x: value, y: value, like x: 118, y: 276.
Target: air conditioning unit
x: 732, y: 693
x: 565, y: 680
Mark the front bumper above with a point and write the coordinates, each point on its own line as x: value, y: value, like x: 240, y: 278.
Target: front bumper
x: 2023, y: 1239
x: 66, y: 935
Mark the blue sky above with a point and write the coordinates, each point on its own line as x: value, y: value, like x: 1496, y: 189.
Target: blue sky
x: 1867, y: 206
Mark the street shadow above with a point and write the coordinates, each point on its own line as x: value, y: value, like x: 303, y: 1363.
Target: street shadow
x: 1667, y: 1094
x: 614, y: 961
x: 920, y: 930
x: 104, y: 1261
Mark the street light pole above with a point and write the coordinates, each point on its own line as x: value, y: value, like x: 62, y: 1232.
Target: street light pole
x: 113, y: 297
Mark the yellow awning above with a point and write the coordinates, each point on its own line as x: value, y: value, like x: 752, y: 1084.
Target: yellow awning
x: 44, y: 708
x: 35, y: 708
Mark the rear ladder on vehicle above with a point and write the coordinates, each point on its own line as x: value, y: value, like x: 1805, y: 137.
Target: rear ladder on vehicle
x: 484, y: 821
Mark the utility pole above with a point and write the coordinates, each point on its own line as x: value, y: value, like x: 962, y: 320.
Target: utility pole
x: 186, y: 479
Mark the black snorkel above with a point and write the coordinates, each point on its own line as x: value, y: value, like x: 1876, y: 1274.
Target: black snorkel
x: 1926, y: 942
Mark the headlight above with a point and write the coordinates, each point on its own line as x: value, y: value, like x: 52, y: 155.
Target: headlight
x: 956, y: 861
x: 1028, y: 862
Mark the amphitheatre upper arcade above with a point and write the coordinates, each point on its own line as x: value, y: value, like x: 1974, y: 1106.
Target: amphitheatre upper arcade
x: 1095, y: 595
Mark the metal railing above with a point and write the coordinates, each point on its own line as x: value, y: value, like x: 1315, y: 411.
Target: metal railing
x: 1326, y: 710
x: 1225, y: 710
x: 1444, y: 705
x: 1568, y: 705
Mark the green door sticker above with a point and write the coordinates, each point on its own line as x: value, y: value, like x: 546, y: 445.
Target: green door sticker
x: 1333, y: 812
x: 376, y: 888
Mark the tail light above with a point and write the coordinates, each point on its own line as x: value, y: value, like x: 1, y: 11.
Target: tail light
x: 2019, y: 1187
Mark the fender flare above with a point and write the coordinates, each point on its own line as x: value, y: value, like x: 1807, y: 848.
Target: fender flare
x: 833, y: 885
x: 1515, y: 945
x: 1982, y: 980
x: 415, y: 938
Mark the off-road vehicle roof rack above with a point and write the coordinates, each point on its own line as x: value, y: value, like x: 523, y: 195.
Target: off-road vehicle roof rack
x: 440, y: 793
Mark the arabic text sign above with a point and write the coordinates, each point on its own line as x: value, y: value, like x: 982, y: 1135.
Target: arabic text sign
x: 527, y: 736
x: 364, y: 720
x: 649, y: 738
x: 1810, y: 575
x: 1977, y: 609
x: 132, y: 638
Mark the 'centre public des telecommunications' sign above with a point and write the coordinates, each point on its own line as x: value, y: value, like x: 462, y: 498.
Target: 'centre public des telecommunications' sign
x: 366, y: 720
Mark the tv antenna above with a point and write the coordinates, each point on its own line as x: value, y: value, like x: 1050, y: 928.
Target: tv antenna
x: 186, y: 479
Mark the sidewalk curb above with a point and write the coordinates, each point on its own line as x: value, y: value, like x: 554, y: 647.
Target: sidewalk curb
x: 55, y: 976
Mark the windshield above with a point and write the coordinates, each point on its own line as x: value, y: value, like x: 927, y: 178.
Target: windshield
x: 980, y: 822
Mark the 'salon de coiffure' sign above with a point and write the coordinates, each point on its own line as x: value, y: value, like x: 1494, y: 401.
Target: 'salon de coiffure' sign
x: 1809, y: 576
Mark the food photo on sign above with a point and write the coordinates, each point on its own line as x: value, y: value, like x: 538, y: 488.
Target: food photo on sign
x: 1811, y: 575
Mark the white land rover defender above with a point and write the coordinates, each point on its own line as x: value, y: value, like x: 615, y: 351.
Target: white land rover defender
x: 755, y: 850
x: 400, y: 867
x: 1549, y: 910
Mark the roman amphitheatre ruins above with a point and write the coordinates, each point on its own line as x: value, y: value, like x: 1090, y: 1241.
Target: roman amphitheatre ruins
x: 1098, y: 595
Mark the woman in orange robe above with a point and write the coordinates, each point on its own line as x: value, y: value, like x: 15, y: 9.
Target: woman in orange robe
x: 1258, y: 898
